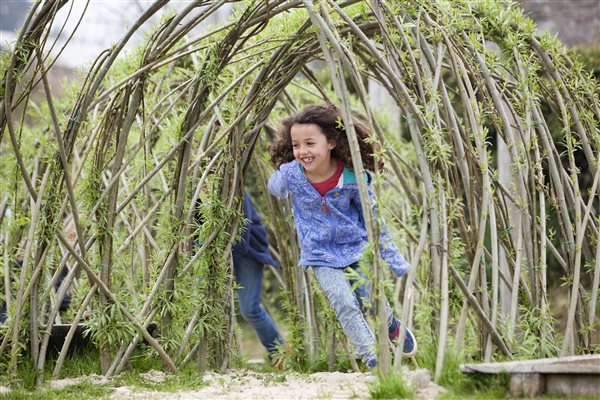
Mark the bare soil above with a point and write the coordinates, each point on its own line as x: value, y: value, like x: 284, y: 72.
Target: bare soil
x: 244, y: 384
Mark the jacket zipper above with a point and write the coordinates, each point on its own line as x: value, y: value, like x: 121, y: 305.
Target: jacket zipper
x: 326, y: 211
x: 324, y: 205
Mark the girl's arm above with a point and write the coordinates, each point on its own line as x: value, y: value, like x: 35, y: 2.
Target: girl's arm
x: 388, y: 250
x: 390, y: 253
x: 278, y: 185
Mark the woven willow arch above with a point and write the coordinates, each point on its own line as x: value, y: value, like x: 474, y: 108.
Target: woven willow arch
x: 121, y: 163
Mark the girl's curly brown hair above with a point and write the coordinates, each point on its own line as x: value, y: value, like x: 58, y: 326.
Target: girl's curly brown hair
x: 329, y: 119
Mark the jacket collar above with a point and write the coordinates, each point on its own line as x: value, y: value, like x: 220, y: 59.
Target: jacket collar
x: 347, y: 179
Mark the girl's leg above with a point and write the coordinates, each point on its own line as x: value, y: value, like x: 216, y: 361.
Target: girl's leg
x: 363, y: 292
x: 348, y: 310
x: 249, y: 273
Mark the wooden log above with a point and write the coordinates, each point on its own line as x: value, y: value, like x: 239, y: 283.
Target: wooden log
x: 588, y: 364
x: 570, y: 385
x: 527, y: 385
x: 565, y: 376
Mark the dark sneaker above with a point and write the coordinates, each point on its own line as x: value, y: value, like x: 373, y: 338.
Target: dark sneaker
x: 371, y: 363
x: 410, y: 344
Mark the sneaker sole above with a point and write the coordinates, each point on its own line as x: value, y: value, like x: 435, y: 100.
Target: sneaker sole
x: 412, y: 353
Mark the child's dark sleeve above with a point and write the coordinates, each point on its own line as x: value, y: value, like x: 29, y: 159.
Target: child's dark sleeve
x: 253, y: 241
x: 243, y: 244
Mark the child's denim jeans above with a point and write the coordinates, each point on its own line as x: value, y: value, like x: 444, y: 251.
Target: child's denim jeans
x: 349, y: 306
x: 249, y: 274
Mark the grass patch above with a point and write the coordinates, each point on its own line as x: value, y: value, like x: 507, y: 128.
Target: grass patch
x: 186, y: 378
x: 85, y: 362
x: 83, y: 390
x: 81, y: 362
x: 477, y: 386
x: 457, y: 384
x: 451, y: 375
x: 391, y: 386
x: 320, y: 362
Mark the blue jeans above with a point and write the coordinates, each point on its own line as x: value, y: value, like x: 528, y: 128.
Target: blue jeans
x: 349, y: 306
x: 64, y: 303
x: 249, y: 273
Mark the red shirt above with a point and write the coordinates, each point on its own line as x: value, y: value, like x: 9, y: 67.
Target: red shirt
x: 331, y: 182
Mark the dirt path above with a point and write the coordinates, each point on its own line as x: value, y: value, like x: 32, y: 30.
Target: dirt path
x: 243, y: 384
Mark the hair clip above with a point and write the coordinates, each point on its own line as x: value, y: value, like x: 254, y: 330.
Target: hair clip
x: 339, y: 124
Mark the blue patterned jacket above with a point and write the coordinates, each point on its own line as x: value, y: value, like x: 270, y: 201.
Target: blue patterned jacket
x: 331, y: 228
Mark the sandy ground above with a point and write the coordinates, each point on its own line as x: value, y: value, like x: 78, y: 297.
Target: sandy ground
x: 244, y: 384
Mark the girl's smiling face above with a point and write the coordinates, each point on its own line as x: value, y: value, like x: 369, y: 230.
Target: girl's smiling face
x: 312, y: 149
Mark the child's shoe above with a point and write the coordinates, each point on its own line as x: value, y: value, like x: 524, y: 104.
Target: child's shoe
x: 278, y: 358
x: 410, y: 344
x: 371, y: 363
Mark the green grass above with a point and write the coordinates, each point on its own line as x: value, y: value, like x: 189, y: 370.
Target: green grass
x: 391, y: 386
x: 457, y: 384
x: 477, y: 386
x: 82, y: 361
x: 85, y: 362
x: 186, y: 378
x: 83, y: 390
x: 320, y: 362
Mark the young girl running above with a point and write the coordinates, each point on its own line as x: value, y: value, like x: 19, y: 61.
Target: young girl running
x: 314, y: 164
